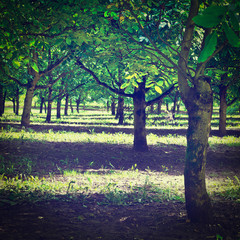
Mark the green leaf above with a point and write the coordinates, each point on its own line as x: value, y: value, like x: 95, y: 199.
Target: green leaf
x: 134, y: 84
x: 68, y: 41
x: 209, y: 47
x: 16, y: 63
x: 9, y: 55
x: 158, y: 89
x: 125, y: 85
x: 231, y: 36
x: 32, y: 42
x: 34, y: 66
x: 234, y: 21
x: 211, y: 16
x: 207, y: 21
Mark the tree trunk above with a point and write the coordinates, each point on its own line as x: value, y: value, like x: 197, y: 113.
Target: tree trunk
x: 71, y: 106
x: 66, y: 105
x: 199, y: 106
x: 167, y: 106
x: 41, y: 104
x: 2, y: 100
x: 49, y: 106
x: 159, y: 107
x: 108, y: 107
x: 174, y: 105
x: 223, y: 110
x: 113, y: 107
x: 14, y: 105
x: 140, y: 135
x: 59, y: 108
x: 17, y: 102
x: 78, y: 103
x: 25, y: 121
x: 120, y: 110
x: 152, y: 108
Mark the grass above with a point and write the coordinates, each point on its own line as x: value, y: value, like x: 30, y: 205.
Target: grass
x: 19, y: 182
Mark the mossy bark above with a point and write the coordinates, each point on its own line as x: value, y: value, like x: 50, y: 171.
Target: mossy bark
x: 199, y: 106
x: 140, y: 135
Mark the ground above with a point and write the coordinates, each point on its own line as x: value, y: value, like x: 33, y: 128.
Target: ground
x: 67, y: 218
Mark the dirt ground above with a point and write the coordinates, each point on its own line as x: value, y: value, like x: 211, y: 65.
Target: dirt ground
x: 72, y: 219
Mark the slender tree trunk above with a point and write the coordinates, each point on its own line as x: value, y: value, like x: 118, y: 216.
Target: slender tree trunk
x: 140, y: 135
x: 174, y: 105
x: 14, y: 105
x: 2, y: 100
x: 71, y: 106
x: 49, y: 106
x: 17, y: 101
x: 167, y: 106
x: 120, y: 111
x: 66, y: 105
x: 159, y: 107
x: 41, y: 104
x: 223, y: 110
x: 108, y: 106
x: 113, y: 106
x: 59, y: 108
x: 199, y: 106
x: 78, y: 103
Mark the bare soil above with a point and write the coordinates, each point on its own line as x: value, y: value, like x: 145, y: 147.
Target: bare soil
x: 74, y: 219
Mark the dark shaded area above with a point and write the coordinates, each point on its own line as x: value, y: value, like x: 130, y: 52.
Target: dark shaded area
x: 86, y: 218
x: 97, y: 129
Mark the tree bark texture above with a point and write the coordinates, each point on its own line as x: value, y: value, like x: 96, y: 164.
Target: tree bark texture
x: 140, y: 135
x: 25, y: 121
x: 199, y: 106
x: 223, y: 110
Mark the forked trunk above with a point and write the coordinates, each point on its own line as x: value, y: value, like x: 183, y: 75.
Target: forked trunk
x: 223, y: 111
x: 140, y: 135
x: 199, y: 106
x: 27, y: 107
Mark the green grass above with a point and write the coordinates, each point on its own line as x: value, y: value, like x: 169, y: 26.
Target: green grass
x: 19, y: 182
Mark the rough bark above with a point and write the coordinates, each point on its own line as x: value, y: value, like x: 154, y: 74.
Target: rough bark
x: 49, y: 106
x: 198, y: 101
x: 223, y: 110
x: 140, y: 135
x: 25, y: 121
x: 199, y: 106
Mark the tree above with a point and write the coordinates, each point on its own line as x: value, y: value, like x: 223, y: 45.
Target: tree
x: 162, y: 37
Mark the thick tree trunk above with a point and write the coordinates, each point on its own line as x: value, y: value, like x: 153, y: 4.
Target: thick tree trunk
x: 199, y: 106
x: 120, y: 110
x: 66, y: 105
x: 49, y: 106
x: 223, y: 110
x: 25, y: 121
x: 140, y: 135
x: 59, y: 108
